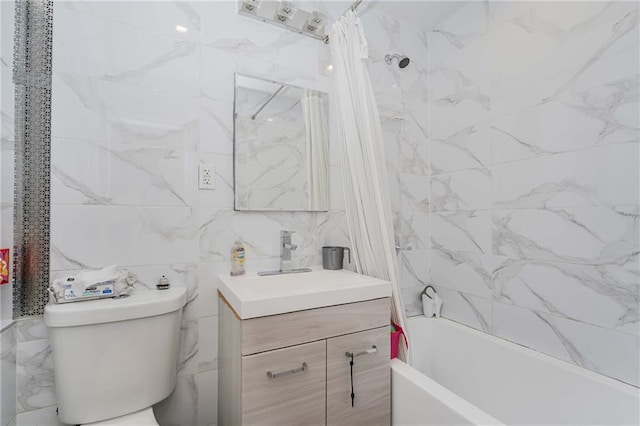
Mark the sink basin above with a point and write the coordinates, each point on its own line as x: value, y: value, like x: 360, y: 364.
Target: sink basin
x: 252, y: 296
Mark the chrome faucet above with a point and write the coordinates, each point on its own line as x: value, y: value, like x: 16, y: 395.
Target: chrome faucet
x: 285, y: 250
x: 286, y: 247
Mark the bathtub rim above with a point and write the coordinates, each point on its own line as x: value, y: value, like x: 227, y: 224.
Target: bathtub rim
x: 444, y: 396
x: 600, y: 378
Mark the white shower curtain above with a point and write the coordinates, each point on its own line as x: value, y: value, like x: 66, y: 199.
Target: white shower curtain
x: 368, y: 204
x: 316, y: 136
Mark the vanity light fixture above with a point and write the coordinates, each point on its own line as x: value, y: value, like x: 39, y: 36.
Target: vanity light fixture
x: 286, y: 14
x: 285, y: 11
x: 315, y: 23
x: 251, y: 6
x: 181, y: 29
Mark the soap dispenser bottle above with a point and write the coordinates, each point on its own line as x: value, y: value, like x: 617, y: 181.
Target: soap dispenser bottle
x: 237, y: 259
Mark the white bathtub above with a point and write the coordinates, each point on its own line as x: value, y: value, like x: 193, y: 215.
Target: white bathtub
x: 463, y: 376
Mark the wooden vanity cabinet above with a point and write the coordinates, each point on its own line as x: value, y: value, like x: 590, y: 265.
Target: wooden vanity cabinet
x: 371, y: 379
x: 293, y: 368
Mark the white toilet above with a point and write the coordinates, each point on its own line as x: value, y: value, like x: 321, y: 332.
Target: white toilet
x: 114, y: 358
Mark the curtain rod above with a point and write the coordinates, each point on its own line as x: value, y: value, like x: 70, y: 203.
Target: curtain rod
x: 353, y: 7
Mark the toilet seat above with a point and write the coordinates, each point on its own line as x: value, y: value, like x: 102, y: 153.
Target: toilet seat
x: 139, y: 418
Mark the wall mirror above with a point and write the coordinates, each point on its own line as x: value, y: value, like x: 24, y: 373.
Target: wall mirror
x: 281, y: 146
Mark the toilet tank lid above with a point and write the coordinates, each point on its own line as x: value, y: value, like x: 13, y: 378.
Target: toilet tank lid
x: 140, y: 304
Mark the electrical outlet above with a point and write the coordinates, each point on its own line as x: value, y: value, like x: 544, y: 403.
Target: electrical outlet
x: 206, y: 176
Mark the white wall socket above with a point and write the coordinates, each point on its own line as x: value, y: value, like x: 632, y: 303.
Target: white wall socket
x: 206, y: 176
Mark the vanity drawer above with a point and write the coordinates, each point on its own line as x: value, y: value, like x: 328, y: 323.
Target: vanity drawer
x: 278, y: 331
x: 371, y: 379
x: 290, y: 395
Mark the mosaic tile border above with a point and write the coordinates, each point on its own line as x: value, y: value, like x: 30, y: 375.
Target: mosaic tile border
x: 32, y: 60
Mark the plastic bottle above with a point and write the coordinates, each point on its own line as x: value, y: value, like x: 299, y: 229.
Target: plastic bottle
x: 237, y: 258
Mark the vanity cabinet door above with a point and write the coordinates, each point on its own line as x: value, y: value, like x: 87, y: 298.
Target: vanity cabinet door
x: 285, y: 386
x: 371, y: 379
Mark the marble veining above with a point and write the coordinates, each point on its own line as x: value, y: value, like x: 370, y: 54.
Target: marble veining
x: 571, y: 349
x: 35, y: 381
x: 577, y: 178
x: 151, y: 163
x: 601, y: 115
x: 78, y: 186
x: 466, y: 26
x: 8, y: 343
x: 586, y: 227
x: 461, y: 190
x: 467, y: 309
x: 181, y: 48
x: 465, y: 230
x: 413, y: 271
x: 217, y: 117
x: 59, y: 260
x: 188, y: 352
x: 32, y: 328
x: 611, y: 293
x: 476, y: 312
x: 619, y: 29
x: 458, y: 141
x: 443, y: 259
x: 413, y: 149
x: 605, y: 107
x: 534, y: 142
x: 463, y: 89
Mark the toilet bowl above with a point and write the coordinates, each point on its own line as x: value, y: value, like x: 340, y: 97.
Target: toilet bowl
x: 139, y: 418
x: 114, y: 359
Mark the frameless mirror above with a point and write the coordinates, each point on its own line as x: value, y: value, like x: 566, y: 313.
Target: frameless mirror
x: 281, y: 146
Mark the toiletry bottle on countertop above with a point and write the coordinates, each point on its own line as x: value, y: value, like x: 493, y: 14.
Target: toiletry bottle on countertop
x: 237, y: 258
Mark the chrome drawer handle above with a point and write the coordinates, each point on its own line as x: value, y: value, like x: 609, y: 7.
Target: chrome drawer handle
x: 286, y: 373
x: 367, y: 352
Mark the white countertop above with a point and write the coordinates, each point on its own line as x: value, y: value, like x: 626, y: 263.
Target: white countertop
x: 253, y: 296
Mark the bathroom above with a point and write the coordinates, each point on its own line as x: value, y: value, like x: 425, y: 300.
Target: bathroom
x: 511, y: 144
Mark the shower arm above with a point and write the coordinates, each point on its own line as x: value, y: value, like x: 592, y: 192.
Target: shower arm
x: 253, y: 117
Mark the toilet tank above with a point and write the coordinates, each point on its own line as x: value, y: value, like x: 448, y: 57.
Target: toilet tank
x: 112, y: 357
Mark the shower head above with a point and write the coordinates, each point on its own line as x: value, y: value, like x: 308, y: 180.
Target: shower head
x: 403, y: 61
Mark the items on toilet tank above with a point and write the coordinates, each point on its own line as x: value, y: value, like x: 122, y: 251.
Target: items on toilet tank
x: 237, y: 258
x: 89, y: 285
x: 163, y: 283
x: 431, y: 302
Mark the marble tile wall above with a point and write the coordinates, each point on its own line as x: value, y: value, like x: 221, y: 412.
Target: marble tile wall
x: 35, y: 386
x: 534, y: 155
x: 500, y: 212
x: 8, y: 374
x: 136, y: 106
